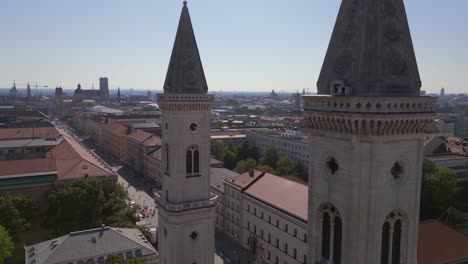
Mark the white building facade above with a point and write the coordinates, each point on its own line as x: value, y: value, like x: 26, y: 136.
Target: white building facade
x: 270, y: 224
x: 289, y: 143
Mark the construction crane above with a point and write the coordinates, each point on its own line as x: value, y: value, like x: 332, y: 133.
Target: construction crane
x: 35, y: 85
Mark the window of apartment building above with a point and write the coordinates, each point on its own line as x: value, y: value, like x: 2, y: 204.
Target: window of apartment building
x: 255, y: 229
x: 286, y: 227
x: 295, y: 253
x: 286, y: 248
x: 255, y: 211
x: 261, y: 215
x: 248, y: 225
x: 276, y: 260
x: 277, y: 222
x: 305, y: 237
x: 248, y: 208
x: 277, y: 242
x: 261, y: 233
x: 269, y: 255
x: 304, y: 259
x: 295, y: 232
x: 269, y: 238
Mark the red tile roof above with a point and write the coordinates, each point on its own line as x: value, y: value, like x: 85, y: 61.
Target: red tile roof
x: 282, y: 193
x: 15, y: 167
x: 29, y: 132
x: 75, y: 161
x: 148, y: 139
x: 116, y: 128
x: 245, y: 180
x: 439, y: 243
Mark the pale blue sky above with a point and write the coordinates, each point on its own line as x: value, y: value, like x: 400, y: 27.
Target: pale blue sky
x: 244, y: 44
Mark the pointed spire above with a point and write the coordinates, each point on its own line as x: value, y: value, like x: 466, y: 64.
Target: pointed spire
x: 28, y: 91
x: 118, y: 93
x: 371, y: 51
x: 185, y: 72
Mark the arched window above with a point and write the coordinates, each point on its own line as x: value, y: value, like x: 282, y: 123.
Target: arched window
x: 192, y: 161
x: 392, y: 233
x: 188, y: 161
x: 331, y: 233
x: 196, y: 161
x: 167, y: 158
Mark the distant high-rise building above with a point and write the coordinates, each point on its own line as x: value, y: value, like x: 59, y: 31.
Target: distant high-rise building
x: 297, y: 101
x: 104, y: 87
x: 118, y: 94
x: 442, y: 92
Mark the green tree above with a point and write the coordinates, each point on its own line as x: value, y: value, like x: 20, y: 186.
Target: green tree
x: 217, y: 149
x: 16, y: 213
x: 300, y: 171
x: 76, y: 206
x: 266, y: 168
x: 219, y: 124
x: 6, y: 244
x: 119, y: 260
x: 229, y: 160
x: 437, y: 191
x: 245, y: 165
x: 285, y: 166
x: 246, y: 150
x: 269, y: 157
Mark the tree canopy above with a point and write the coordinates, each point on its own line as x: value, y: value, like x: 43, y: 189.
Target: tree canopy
x: 16, y: 212
x: 218, y: 149
x: 6, y: 244
x: 245, y: 165
x: 84, y: 204
x: 119, y: 260
x: 437, y: 191
x: 285, y: 166
x: 270, y: 157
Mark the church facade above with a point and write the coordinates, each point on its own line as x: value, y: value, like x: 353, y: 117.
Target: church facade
x: 366, y: 139
x: 186, y: 213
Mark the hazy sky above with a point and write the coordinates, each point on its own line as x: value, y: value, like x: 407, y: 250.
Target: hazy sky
x: 244, y: 44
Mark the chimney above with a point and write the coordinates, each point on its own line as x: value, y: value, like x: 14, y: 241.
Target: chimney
x: 251, y: 172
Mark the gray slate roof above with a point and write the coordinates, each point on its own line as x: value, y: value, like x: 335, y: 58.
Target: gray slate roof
x: 185, y: 72
x: 371, y: 51
x: 86, y: 244
x: 218, y: 175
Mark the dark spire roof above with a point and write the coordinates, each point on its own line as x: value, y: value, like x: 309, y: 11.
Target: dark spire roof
x: 185, y: 72
x: 371, y: 51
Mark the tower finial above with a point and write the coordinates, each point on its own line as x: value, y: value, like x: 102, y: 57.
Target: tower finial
x: 185, y: 2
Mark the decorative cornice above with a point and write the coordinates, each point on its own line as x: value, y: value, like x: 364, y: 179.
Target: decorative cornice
x: 186, y: 206
x: 370, y: 115
x: 185, y: 102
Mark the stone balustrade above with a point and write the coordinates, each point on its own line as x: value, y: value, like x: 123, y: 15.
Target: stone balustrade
x: 186, y: 206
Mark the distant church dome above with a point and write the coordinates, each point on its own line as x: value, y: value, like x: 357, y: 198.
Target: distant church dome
x: 78, y: 90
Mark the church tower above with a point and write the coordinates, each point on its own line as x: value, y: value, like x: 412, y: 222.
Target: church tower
x: 58, y: 101
x: 366, y: 130
x: 186, y: 206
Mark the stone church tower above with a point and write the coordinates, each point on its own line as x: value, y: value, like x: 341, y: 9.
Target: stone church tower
x: 58, y: 101
x: 367, y: 125
x: 186, y: 206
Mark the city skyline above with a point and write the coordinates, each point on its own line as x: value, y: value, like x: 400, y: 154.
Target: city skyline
x: 272, y: 45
